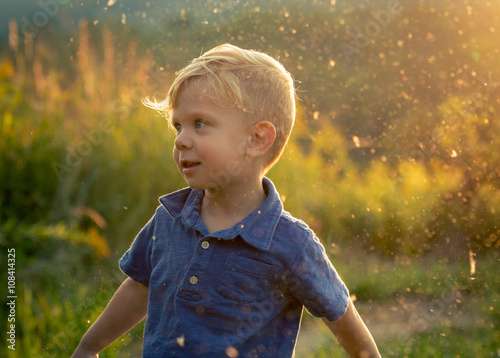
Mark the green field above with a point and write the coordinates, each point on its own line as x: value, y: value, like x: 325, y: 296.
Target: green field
x: 393, y: 161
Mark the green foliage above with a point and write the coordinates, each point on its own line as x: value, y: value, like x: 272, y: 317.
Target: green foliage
x: 453, y: 341
x: 395, y: 209
x: 393, y: 153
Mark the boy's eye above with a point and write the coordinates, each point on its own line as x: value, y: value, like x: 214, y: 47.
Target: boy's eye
x: 199, y: 123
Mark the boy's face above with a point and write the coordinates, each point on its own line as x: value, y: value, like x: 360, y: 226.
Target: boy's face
x: 211, y: 141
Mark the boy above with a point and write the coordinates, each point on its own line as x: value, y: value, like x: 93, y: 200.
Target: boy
x: 221, y: 270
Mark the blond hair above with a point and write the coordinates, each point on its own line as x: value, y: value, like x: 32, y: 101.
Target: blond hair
x: 249, y: 80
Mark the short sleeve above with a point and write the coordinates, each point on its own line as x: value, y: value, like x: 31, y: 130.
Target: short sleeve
x: 315, y: 282
x: 136, y: 262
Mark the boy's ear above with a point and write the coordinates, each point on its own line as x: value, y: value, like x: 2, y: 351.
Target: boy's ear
x: 263, y: 136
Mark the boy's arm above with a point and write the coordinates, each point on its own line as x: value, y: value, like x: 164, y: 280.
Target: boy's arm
x: 127, y: 308
x: 353, y: 335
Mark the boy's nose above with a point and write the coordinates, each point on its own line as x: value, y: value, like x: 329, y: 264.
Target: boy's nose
x: 182, y: 141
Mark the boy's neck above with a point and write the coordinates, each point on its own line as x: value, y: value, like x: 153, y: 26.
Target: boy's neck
x: 222, y: 208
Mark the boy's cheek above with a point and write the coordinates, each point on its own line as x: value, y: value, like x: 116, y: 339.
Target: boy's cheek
x: 242, y: 148
x: 176, y: 154
x: 234, y: 167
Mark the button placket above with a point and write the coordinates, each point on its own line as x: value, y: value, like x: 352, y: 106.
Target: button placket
x: 197, y: 270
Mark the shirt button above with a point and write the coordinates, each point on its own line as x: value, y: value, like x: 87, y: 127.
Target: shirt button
x: 205, y: 245
x: 193, y: 280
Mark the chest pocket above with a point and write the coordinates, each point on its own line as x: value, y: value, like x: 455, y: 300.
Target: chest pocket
x: 244, y: 280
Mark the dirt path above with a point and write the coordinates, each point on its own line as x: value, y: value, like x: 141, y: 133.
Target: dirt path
x: 399, y: 319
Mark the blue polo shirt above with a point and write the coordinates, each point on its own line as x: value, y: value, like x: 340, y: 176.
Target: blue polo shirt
x: 240, y: 290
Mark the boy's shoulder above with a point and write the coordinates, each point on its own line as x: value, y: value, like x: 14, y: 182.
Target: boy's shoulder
x: 294, y: 225
x: 294, y: 231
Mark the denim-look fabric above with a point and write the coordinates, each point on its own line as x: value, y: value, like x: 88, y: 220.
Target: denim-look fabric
x: 242, y: 288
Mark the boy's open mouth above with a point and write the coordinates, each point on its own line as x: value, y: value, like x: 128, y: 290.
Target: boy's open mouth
x: 186, y: 164
x: 189, y: 167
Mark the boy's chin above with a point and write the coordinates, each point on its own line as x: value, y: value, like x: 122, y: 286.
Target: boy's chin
x: 196, y: 185
x: 209, y: 187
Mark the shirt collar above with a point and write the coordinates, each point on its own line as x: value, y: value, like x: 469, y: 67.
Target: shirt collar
x: 257, y: 229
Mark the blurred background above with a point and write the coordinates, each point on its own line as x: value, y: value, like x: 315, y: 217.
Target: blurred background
x: 394, y: 160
